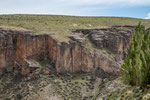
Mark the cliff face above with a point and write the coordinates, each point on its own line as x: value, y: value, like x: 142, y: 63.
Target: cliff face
x: 115, y: 39
x: 18, y: 45
x: 7, y: 47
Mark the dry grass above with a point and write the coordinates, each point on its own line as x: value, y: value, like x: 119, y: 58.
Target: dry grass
x: 60, y: 26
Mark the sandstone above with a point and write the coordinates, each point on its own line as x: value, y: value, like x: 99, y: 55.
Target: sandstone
x: 29, y: 66
x: 20, y: 46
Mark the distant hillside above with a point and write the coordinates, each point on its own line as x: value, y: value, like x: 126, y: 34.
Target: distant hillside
x: 54, y: 24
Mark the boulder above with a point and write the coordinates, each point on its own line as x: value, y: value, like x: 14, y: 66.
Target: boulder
x: 46, y: 71
x: 78, y: 37
x: 88, y: 25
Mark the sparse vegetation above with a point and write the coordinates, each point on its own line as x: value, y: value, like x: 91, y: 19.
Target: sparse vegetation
x: 61, y: 26
x: 81, y: 85
x: 136, y: 69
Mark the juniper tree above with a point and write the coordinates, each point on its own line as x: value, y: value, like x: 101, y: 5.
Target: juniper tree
x: 136, y: 68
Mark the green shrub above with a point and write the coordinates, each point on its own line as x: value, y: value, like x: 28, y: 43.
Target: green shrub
x: 136, y: 69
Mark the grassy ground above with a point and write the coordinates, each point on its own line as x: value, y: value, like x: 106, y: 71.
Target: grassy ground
x: 60, y: 26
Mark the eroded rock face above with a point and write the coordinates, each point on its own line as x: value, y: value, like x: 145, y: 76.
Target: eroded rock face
x: 115, y: 39
x: 7, y: 47
x: 18, y: 45
x: 116, y: 42
x: 78, y: 37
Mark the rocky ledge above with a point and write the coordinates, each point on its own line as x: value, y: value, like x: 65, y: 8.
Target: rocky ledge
x: 108, y: 47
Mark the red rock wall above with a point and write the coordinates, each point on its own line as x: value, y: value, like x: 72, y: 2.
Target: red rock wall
x: 72, y: 57
x: 68, y: 57
x: 7, y: 47
x: 31, y: 46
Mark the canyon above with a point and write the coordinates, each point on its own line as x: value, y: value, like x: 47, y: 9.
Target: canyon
x: 108, y: 47
x: 86, y: 67
x: 53, y: 57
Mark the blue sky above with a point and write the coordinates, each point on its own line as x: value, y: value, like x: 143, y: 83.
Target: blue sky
x: 122, y: 8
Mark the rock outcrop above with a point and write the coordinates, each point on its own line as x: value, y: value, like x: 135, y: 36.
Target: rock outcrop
x: 115, y: 39
x: 72, y: 56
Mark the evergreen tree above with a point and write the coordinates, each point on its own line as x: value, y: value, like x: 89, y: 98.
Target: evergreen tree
x: 136, y: 69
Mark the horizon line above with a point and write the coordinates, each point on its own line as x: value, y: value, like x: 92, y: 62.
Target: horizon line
x: 72, y: 15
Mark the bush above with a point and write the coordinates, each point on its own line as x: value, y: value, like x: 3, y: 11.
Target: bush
x: 136, y: 69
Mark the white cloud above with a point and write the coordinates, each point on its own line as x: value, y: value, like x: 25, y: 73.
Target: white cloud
x: 107, y: 2
x: 148, y: 16
x: 68, y: 7
x: 79, y: 2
